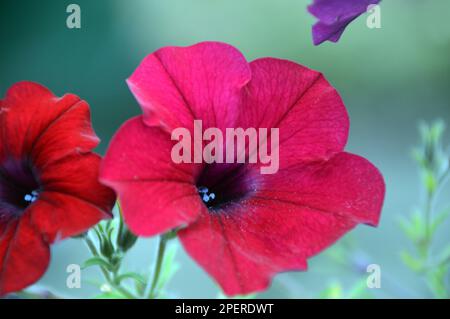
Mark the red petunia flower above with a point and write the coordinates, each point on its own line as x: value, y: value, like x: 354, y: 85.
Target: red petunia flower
x: 49, y: 187
x: 256, y: 225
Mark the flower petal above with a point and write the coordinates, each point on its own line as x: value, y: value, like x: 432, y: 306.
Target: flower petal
x: 324, y: 32
x: 72, y: 199
x: 34, y: 121
x: 347, y: 185
x: 311, y: 117
x: 155, y: 194
x: 246, y: 245
x: 334, y: 16
x: 24, y: 255
x: 297, y: 214
x: 203, y: 81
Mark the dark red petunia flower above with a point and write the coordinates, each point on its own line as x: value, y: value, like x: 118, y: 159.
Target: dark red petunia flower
x: 49, y: 187
x: 257, y: 225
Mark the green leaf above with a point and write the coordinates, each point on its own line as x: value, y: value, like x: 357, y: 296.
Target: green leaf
x: 431, y: 156
x: 412, y: 262
x: 430, y: 181
x: 436, y: 281
x: 107, y: 249
x: 99, y: 235
x: 437, y: 129
x: 439, y: 220
x: 140, y: 287
x: 444, y: 258
x: 130, y: 275
x: 96, y: 261
x: 109, y: 224
x: 110, y: 295
x: 414, y: 228
x: 406, y: 227
x: 360, y: 291
x: 334, y: 291
x: 110, y: 234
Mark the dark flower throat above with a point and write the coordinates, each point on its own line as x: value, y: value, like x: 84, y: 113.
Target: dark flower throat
x: 19, y: 187
x: 221, y: 185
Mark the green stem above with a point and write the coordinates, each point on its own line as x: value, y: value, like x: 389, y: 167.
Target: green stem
x: 428, y: 213
x: 159, y: 261
x: 428, y: 224
x: 105, y: 272
x: 429, y: 210
x: 121, y: 222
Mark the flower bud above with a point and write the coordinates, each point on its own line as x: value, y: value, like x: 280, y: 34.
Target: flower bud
x: 126, y: 239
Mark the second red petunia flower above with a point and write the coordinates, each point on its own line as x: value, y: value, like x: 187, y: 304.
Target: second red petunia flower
x: 49, y: 187
x: 255, y: 225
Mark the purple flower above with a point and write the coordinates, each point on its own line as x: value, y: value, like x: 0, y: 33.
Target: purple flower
x: 334, y: 16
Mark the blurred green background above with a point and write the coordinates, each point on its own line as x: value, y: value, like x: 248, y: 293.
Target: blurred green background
x: 390, y: 79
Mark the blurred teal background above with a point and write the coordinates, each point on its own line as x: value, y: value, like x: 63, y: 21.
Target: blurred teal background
x: 390, y: 79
